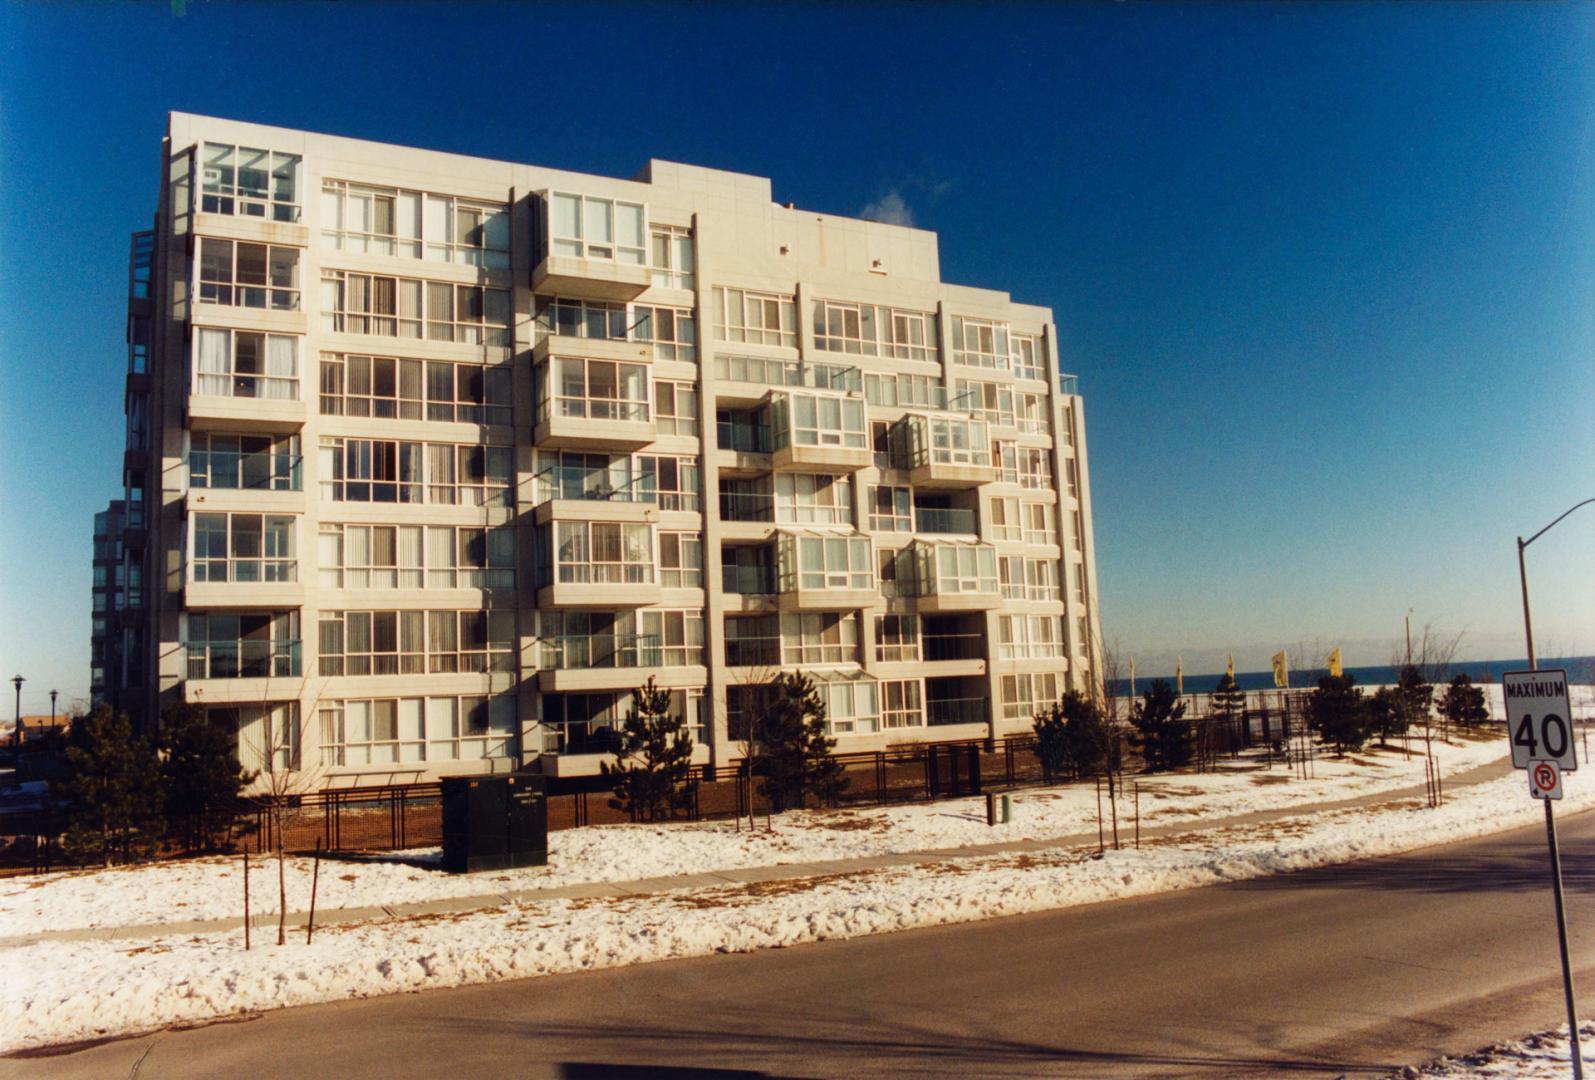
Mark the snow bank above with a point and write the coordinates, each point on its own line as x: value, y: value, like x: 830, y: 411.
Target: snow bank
x: 78, y: 990
x: 1546, y: 1055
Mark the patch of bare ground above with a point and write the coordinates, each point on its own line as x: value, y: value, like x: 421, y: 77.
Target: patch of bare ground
x: 1270, y: 778
x: 847, y: 823
x: 761, y: 890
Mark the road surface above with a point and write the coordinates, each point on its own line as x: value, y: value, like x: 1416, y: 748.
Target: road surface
x: 1349, y: 970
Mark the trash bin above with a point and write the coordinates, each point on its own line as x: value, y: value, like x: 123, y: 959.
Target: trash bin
x: 494, y: 822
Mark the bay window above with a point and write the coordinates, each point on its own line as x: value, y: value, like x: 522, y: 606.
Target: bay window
x: 589, y: 227
x: 808, y: 561
x: 242, y: 645
x: 603, y: 552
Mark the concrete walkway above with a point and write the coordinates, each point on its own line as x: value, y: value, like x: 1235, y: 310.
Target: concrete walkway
x: 747, y: 875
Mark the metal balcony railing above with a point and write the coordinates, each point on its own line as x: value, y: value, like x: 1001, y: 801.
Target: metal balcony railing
x: 748, y: 580
x: 243, y: 659
x: 955, y: 711
x: 743, y: 438
x: 934, y: 520
x: 746, y: 506
x: 587, y: 652
x: 953, y: 646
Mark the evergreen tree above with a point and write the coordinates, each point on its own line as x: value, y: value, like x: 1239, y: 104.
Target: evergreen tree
x: 1337, y: 711
x: 653, y: 759
x: 1462, y: 703
x: 1385, y: 717
x: 111, y: 790
x: 1414, y: 696
x: 1229, y: 702
x: 1163, y: 735
x: 1073, y: 738
x: 201, y: 779
x: 1052, y: 741
x: 796, y: 752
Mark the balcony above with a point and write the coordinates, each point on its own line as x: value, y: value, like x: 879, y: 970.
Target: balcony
x: 815, y: 431
x: 609, y: 661
x: 571, y: 423
x: 938, y: 648
x: 566, y: 494
x: 601, y: 585
x: 951, y: 576
x: 948, y: 451
x: 944, y: 712
x: 751, y: 506
x: 593, y: 348
x: 824, y: 572
x: 951, y: 521
x: 242, y: 671
x: 600, y: 279
x: 243, y: 584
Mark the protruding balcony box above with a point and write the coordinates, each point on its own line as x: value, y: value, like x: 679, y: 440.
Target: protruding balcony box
x: 598, y: 279
x: 607, y: 662
x: 818, y: 431
x: 568, y: 421
x: 593, y: 594
x: 824, y: 572
x: 575, y: 495
x: 245, y: 413
x: 631, y: 352
x: 251, y: 595
x: 948, y: 451
x: 952, y: 576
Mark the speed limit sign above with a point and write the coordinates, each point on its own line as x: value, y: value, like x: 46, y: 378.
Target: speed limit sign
x: 1538, y: 720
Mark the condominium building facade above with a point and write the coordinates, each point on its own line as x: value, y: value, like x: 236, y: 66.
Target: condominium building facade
x: 433, y: 459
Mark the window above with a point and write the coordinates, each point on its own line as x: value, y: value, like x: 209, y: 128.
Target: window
x: 1030, y: 637
x: 851, y: 706
x: 758, y: 370
x: 744, y: 430
x: 819, y: 637
x: 242, y: 548
x: 672, y: 482
x: 677, y: 635
x: 587, y: 227
x: 414, y: 225
x: 384, y: 470
x: 405, y: 307
x: 1026, y: 466
x: 747, y: 570
x: 590, y: 723
x: 416, y: 642
x: 897, y: 639
x: 980, y: 343
x: 864, y: 329
x: 755, y: 318
x: 384, y: 731
x: 811, y: 419
x: 592, y: 389
x: 1077, y: 580
x: 990, y: 402
x: 813, y: 499
x: 239, y: 274
x: 416, y: 557
x: 901, y: 704
x: 1071, y: 478
x: 1005, y: 519
x: 681, y: 560
x: 603, y: 553
x: 671, y: 256
x: 673, y: 331
x: 610, y: 639
x: 891, y: 509
x: 140, y: 265
x: 268, y: 735
x: 889, y: 445
x: 387, y: 387
x: 1031, y: 411
x: 138, y: 344
x: 1040, y: 523
x: 1076, y: 529
x: 1067, y: 435
x: 905, y: 391
x: 1025, y: 695
x: 824, y: 562
x: 1026, y: 357
x: 956, y: 568
x: 245, y: 364
x: 595, y: 320
x: 946, y: 439
x: 242, y: 645
x: 676, y: 408
x: 752, y: 641
x: 248, y: 182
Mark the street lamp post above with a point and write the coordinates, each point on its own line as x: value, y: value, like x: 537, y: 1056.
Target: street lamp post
x: 52, y: 708
x: 1407, y: 618
x: 1550, y: 820
x: 16, y: 735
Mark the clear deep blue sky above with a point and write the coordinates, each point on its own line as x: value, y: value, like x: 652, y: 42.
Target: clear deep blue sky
x: 1326, y: 271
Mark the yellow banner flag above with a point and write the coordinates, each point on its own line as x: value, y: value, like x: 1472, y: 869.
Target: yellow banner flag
x: 1231, y: 668
x: 1334, y: 663
x: 1281, y: 672
x: 1179, y: 677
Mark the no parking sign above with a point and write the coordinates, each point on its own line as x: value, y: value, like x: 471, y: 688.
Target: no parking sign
x: 1545, y: 780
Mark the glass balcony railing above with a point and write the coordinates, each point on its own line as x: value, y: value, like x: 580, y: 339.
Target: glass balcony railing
x: 601, y: 651
x: 746, y: 506
x: 743, y: 438
x: 234, y: 469
x: 571, y: 482
x: 243, y: 659
x: 759, y: 370
x: 955, y: 711
x: 935, y: 520
x: 1069, y: 384
x: 748, y: 580
x: 953, y: 646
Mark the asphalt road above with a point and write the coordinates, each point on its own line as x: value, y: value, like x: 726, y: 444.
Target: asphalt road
x: 1351, y: 970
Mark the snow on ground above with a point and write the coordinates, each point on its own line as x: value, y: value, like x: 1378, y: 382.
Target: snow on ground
x: 1546, y: 1055
x: 60, y: 991
x: 213, y: 888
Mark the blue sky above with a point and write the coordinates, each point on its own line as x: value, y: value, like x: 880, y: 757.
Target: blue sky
x: 1326, y: 271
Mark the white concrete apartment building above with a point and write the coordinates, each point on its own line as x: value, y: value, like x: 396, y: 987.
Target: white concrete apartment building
x: 432, y: 459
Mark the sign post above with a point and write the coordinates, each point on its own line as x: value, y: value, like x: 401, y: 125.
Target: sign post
x: 1539, y: 725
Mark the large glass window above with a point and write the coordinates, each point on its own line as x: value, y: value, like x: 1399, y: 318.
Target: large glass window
x: 1027, y: 362
x: 1027, y: 694
x: 681, y: 560
x: 754, y: 317
x: 670, y: 256
x: 416, y: 557
x: 589, y: 227
x: 240, y: 274
x: 852, y: 706
x: 386, y: 470
x: 414, y: 225
x: 753, y: 641
x: 813, y: 499
x: 1030, y: 637
x: 902, y: 704
x: 672, y: 482
x: 819, y: 637
x: 891, y: 509
x: 604, y: 552
x: 826, y: 562
x: 620, y: 639
x: 897, y: 638
x: 249, y: 182
x: 242, y: 363
x: 673, y: 331
x: 592, y: 389
x: 906, y: 391
x: 599, y: 320
x: 865, y: 329
x: 798, y: 418
x: 263, y: 463
x: 590, y: 723
x: 956, y: 568
x: 385, y: 306
x: 243, y: 548
x: 268, y: 735
x: 416, y: 642
x: 242, y: 645
x: 991, y: 402
x: 676, y: 408
x: 389, y: 387
x: 382, y: 731
x: 947, y: 439
x: 980, y: 343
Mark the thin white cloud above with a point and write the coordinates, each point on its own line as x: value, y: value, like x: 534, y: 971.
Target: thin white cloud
x: 889, y: 209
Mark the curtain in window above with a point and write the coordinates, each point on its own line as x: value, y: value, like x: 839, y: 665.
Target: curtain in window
x: 282, y: 365
x: 214, y: 362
